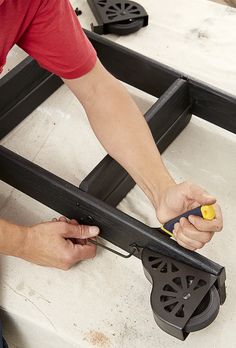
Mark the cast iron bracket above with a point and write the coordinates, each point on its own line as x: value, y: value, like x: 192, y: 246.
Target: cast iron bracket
x: 178, y: 290
x: 120, y: 17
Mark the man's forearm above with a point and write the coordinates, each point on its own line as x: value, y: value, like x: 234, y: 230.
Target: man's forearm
x: 12, y: 238
x: 122, y: 129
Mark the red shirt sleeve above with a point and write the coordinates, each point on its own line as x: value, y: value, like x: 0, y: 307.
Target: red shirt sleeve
x: 56, y: 40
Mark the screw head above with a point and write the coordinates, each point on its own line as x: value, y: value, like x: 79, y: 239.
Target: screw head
x: 187, y: 296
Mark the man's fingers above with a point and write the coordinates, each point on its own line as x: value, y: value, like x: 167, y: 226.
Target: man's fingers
x: 186, y: 246
x: 73, y: 230
x: 74, y: 222
x: 79, y: 253
x: 84, y: 252
x: 76, y: 253
x: 187, y: 242
x: 195, y: 235
x: 214, y: 225
x: 62, y: 219
x: 187, y: 234
x: 80, y: 231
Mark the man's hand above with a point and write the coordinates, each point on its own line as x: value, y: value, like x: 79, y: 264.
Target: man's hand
x: 192, y: 233
x: 50, y: 243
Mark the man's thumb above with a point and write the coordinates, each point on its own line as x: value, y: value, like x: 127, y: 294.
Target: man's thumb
x: 204, y: 198
x: 200, y: 195
x: 82, y: 231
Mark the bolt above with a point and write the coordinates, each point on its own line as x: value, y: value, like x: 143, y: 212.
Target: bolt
x: 186, y: 297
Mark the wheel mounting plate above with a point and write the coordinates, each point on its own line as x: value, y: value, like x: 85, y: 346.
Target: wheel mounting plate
x: 177, y: 291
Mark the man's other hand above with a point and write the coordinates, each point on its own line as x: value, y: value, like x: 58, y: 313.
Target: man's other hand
x: 60, y: 243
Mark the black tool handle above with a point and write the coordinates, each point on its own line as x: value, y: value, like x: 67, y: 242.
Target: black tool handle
x: 205, y: 211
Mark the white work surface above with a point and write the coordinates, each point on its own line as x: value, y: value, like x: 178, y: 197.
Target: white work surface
x: 104, y: 302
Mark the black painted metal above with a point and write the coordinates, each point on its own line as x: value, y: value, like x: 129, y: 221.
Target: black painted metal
x: 166, y: 118
x: 133, y: 68
x: 116, y: 226
x: 117, y: 12
x: 22, y: 90
x: 213, y: 105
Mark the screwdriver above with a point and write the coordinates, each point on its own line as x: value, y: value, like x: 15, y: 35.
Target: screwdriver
x: 207, y: 212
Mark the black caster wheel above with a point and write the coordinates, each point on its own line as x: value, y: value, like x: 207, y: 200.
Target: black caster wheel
x: 176, y: 293
x: 206, y: 312
x: 128, y: 27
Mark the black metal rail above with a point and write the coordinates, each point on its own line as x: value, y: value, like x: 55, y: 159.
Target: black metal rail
x: 22, y: 90
x: 116, y: 226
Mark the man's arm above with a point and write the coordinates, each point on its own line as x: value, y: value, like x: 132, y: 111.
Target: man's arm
x: 123, y: 131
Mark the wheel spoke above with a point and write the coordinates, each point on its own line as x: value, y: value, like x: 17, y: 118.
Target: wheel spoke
x: 175, y: 286
x: 168, y: 293
x: 110, y: 10
x: 176, y: 308
x: 169, y: 269
x: 117, y: 7
x: 169, y: 302
x: 157, y: 260
x: 184, y: 283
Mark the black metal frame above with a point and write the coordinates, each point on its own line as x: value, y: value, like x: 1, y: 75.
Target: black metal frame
x: 28, y: 85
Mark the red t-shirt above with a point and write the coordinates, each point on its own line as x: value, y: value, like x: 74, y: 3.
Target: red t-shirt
x: 49, y: 31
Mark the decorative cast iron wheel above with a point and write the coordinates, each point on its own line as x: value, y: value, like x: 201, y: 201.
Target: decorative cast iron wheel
x: 180, y: 288
x: 127, y: 26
